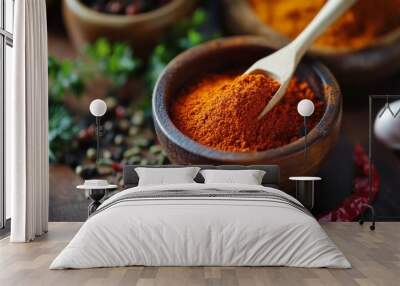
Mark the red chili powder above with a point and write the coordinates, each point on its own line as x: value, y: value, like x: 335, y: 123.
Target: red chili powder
x: 220, y: 111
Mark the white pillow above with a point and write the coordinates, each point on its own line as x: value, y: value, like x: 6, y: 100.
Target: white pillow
x: 248, y: 177
x: 163, y: 176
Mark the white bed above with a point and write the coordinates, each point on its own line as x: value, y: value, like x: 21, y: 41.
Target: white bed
x: 185, y: 230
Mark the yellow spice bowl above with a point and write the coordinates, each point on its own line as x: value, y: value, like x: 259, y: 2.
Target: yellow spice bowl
x: 353, y: 67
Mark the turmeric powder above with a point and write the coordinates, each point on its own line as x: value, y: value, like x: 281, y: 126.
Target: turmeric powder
x: 366, y: 21
x: 220, y: 111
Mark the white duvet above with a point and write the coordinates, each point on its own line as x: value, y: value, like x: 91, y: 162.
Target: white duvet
x: 200, y: 231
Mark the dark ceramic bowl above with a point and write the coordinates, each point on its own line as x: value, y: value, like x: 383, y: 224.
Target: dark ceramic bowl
x: 239, y: 53
x: 141, y: 31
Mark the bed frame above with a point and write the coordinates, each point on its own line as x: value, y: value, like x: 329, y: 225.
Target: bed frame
x: 271, y: 177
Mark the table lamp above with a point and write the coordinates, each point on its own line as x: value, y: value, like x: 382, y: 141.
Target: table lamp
x: 305, y: 108
x: 98, y: 108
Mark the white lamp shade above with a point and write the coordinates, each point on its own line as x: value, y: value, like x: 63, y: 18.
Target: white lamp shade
x: 387, y: 127
x: 305, y: 107
x: 98, y: 107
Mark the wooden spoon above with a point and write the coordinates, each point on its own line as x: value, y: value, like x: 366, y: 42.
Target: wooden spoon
x: 282, y: 63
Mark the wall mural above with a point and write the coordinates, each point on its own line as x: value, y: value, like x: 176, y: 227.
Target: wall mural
x: 116, y: 51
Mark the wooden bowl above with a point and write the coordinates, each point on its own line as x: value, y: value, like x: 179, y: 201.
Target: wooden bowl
x: 142, y: 31
x: 239, y: 53
x: 350, y: 66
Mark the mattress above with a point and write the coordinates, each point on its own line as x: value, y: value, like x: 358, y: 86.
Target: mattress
x: 201, y: 225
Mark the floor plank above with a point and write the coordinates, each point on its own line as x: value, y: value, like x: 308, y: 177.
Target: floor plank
x: 375, y: 257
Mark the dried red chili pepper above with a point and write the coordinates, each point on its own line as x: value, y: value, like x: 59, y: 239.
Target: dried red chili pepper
x: 117, y: 167
x: 354, y: 205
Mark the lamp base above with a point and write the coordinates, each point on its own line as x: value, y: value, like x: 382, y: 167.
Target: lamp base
x: 95, y: 196
x: 361, y: 220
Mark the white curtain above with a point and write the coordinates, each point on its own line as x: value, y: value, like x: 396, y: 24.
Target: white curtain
x: 27, y: 173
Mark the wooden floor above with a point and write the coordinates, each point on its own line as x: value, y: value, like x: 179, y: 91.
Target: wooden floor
x: 375, y: 257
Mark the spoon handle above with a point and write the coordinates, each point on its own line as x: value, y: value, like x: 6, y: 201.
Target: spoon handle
x: 325, y: 17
